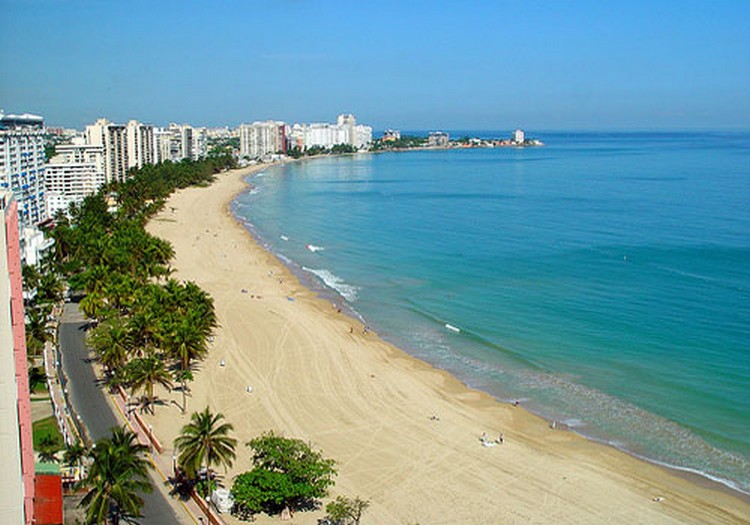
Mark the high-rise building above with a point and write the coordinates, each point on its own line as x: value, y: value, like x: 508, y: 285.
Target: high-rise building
x: 180, y: 141
x: 199, y: 147
x: 16, y: 447
x: 260, y: 139
x: 519, y: 136
x: 77, y: 170
x: 22, y: 165
x: 113, y: 138
x: 140, y: 149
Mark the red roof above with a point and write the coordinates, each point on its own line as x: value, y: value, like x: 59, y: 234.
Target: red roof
x: 48, y: 499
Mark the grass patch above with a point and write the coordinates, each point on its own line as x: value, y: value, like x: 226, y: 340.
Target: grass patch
x: 46, y: 427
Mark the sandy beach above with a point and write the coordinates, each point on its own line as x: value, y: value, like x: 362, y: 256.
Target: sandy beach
x: 405, y: 435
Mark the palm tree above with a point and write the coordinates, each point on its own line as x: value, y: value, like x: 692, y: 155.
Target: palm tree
x: 117, y: 475
x: 74, y: 454
x: 145, y: 326
x: 205, y: 442
x: 145, y: 372
x: 184, y: 342
x: 37, y: 328
x: 113, y: 342
x: 48, y: 448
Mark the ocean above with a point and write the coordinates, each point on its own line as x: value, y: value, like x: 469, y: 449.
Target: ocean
x: 602, y: 280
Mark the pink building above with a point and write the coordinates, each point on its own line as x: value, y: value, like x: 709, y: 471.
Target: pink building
x: 16, y: 447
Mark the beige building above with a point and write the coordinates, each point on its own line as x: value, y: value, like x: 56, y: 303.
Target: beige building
x: 77, y: 170
x: 114, y: 141
x: 260, y: 139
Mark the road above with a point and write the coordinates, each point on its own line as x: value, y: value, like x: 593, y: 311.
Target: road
x: 90, y: 404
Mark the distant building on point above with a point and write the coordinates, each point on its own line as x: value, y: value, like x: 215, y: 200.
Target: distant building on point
x: 391, y: 135
x: 519, y: 136
x: 438, y: 139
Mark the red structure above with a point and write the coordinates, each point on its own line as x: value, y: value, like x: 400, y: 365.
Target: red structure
x: 48, y: 499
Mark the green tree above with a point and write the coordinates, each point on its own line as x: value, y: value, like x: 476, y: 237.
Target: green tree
x: 143, y: 373
x: 48, y: 448
x: 74, y: 454
x: 118, y: 474
x: 346, y: 511
x: 37, y: 328
x: 37, y: 378
x: 204, y: 443
x: 288, y: 473
x: 49, y: 289
x: 112, y: 341
x: 184, y: 343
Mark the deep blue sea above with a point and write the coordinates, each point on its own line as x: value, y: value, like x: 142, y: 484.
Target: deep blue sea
x: 603, y: 280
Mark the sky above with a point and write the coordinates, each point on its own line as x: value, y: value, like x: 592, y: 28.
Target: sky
x: 403, y: 64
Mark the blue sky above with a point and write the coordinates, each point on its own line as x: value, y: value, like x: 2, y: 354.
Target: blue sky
x: 406, y: 64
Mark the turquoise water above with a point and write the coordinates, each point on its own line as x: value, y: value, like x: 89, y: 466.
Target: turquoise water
x: 603, y: 280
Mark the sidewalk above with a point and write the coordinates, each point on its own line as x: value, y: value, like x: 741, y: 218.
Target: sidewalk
x: 56, y: 386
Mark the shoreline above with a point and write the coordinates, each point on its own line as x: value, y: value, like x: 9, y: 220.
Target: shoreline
x: 433, y: 388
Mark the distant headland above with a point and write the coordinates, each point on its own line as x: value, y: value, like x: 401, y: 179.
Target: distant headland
x: 394, y: 140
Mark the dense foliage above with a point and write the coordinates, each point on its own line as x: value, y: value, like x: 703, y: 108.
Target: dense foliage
x: 288, y: 473
x: 404, y: 142
x: 158, y: 326
x: 295, y: 152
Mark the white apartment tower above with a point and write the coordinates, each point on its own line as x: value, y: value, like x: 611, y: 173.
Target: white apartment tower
x: 22, y: 165
x: 140, y: 144
x: 77, y: 170
x: 113, y: 139
x: 179, y: 141
x: 519, y: 136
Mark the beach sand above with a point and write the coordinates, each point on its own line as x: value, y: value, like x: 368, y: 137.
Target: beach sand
x: 369, y: 405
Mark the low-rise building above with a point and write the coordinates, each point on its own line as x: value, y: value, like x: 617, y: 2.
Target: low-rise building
x: 391, y: 135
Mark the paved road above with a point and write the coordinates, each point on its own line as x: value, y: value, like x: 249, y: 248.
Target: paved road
x: 90, y: 403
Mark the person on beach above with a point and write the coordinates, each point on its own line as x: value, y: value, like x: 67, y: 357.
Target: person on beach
x: 500, y: 439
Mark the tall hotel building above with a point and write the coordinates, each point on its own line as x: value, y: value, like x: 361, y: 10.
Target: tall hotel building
x: 16, y: 448
x: 263, y: 138
x: 179, y: 141
x: 140, y: 144
x: 22, y: 165
x: 77, y: 170
x: 113, y: 140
